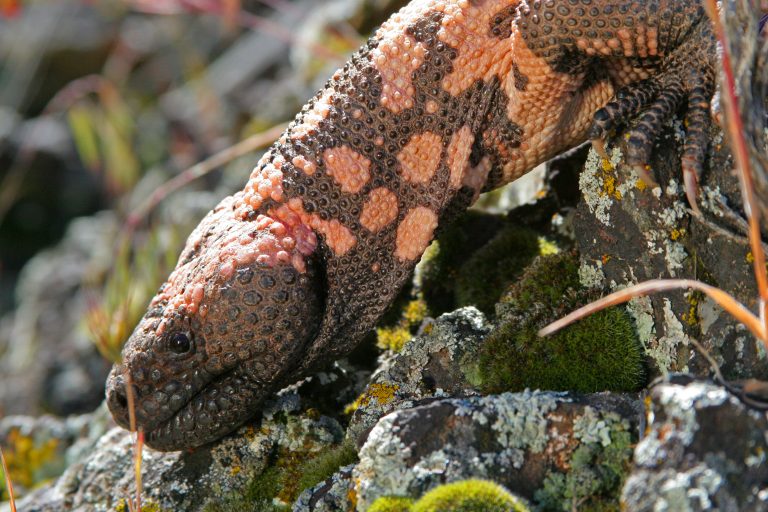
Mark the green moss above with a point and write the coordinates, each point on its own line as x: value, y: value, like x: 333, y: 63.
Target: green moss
x: 326, y: 464
x: 440, y: 265
x: 146, y: 506
x: 596, y: 476
x: 469, y: 496
x: 281, y: 483
x: 485, y: 275
x: 391, y: 504
x: 598, y: 353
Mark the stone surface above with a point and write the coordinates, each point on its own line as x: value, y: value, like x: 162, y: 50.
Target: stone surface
x: 627, y: 233
x: 43, y: 350
x: 436, y: 363
x: 104, y: 479
x: 38, y: 449
x: 518, y: 440
x: 703, y: 450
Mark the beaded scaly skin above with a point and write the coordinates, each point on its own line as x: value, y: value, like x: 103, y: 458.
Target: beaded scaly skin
x: 448, y: 99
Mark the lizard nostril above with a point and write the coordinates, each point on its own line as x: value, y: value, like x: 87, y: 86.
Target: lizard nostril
x: 120, y: 398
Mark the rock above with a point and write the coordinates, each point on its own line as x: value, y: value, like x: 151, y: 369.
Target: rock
x: 434, y: 364
x: 39, y: 449
x: 331, y: 495
x: 269, y: 456
x: 627, y: 233
x: 703, y: 450
x: 524, y: 441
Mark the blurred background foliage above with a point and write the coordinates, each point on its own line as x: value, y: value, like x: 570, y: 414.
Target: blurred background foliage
x: 101, y: 103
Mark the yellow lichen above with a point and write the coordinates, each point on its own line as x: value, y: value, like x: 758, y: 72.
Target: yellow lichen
x: 25, y: 458
x: 691, y: 317
x: 677, y: 233
x: 415, y: 311
x: 640, y: 185
x: 393, y: 338
x: 750, y: 257
x: 382, y: 393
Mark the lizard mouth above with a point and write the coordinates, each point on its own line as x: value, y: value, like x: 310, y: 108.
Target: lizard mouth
x: 217, y: 409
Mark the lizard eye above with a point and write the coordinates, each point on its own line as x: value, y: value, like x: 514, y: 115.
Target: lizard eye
x: 179, y: 343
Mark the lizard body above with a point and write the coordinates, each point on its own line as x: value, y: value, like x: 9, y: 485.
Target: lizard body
x: 448, y: 99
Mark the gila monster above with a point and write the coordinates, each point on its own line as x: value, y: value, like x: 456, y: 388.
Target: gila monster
x: 449, y: 98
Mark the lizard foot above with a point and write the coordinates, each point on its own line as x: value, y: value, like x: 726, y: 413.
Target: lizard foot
x: 651, y: 102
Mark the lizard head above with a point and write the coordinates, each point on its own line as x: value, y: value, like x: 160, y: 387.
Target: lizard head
x: 225, y: 327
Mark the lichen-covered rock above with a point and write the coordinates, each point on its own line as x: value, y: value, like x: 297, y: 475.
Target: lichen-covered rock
x: 518, y: 440
x: 39, y: 449
x: 434, y: 364
x: 254, y: 466
x: 628, y: 232
x: 331, y: 495
x: 703, y: 450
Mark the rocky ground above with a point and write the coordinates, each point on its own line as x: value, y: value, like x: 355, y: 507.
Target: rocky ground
x: 454, y: 390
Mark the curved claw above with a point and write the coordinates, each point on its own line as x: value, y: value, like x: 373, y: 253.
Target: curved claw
x: 691, y: 182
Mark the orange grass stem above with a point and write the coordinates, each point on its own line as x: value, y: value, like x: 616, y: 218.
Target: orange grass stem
x: 726, y: 301
x: 8, y: 482
x: 735, y: 127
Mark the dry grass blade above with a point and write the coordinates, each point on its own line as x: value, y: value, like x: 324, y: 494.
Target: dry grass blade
x: 726, y: 301
x: 139, y: 446
x: 137, y: 466
x: 736, y: 131
x: 252, y: 143
x: 8, y: 483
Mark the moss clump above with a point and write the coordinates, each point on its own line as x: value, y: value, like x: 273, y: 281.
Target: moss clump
x: 485, y: 275
x: 596, y: 476
x: 282, y: 482
x: 325, y: 464
x: 599, y: 353
x: 469, y: 496
x: 391, y: 504
x: 440, y: 266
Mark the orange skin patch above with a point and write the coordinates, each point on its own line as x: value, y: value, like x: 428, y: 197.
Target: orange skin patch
x: 481, y: 55
x: 458, y: 155
x: 311, y: 119
x: 348, y: 168
x: 379, y: 209
x: 415, y: 232
x: 398, y: 55
x: 338, y: 237
x: 420, y: 158
x: 265, y: 182
x: 269, y: 240
x: 308, y: 166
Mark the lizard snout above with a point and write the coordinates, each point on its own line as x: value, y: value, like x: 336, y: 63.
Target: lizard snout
x: 117, y: 398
